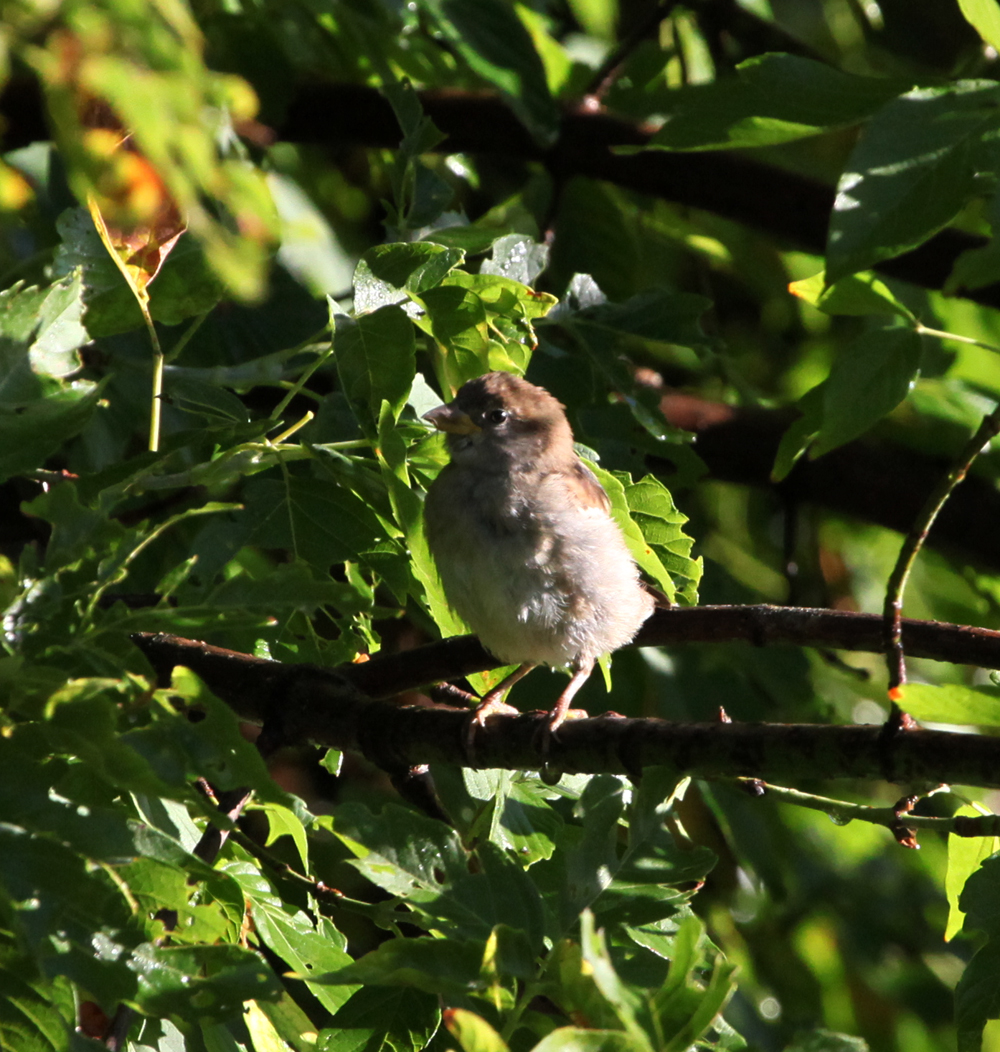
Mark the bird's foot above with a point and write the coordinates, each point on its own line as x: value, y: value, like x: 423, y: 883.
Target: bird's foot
x: 489, y: 706
x: 546, y: 730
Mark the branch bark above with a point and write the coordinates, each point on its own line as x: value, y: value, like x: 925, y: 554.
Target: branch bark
x: 344, y: 707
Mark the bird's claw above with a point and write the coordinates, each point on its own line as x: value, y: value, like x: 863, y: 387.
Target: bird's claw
x: 477, y: 719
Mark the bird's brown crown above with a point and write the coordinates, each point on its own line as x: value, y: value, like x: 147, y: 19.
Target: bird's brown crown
x: 531, y: 409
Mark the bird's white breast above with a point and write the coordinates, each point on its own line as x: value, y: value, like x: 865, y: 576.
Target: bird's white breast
x: 538, y: 578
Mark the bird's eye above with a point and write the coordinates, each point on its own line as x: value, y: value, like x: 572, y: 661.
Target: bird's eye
x: 497, y: 416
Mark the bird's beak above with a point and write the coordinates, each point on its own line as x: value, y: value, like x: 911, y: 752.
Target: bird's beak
x: 454, y: 421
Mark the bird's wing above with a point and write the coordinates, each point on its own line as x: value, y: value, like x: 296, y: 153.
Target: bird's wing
x: 590, y: 494
x: 584, y: 489
x: 659, y: 599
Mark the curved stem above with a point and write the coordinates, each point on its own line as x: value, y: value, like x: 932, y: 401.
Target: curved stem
x: 914, y: 541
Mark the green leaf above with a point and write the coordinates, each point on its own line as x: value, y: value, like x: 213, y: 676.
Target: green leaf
x: 855, y: 294
x: 608, y: 331
x: 772, y: 99
x: 29, y: 436
x: 518, y: 257
x: 28, y: 798
x: 400, y: 851
x: 375, y: 356
x: 965, y: 855
x: 710, y: 1001
x: 519, y: 816
x: 35, y: 1016
x: 651, y: 525
x: 83, y: 722
x: 984, y: 15
x: 598, y: 17
x: 574, y: 1039
x: 285, y: 1023
x: 59, y: 907
x: 954, y: 703
x: 435, y: 966
x: 308, y: 948
x: 382, y: 1017
x: 623, y: 999
x: 980, y: 899
x: 475, y: 904
x: 210, y: 401
x: 184, y: 287
x: 290, y: 586
x: 595, y: 235
x: 826, y: 1041
x: 869, y: 378
x: 283, y: 822
x: 472, y: 1032
x: 801, y: 432
x: 387, y: 273
x: 652, y: 509
x: 457, y: 319
x: 910, y: 173
x: 977, y: 997
x: 495, y: 43
x: 323, y: 524
x: 40, y: 335
x: 212, y: 748
x: 200, y: 981
x: 309, y: 247
x: 655, y: 314
x: 586, y: 856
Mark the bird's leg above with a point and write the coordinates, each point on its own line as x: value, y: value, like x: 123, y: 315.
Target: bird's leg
x: 493, y: 701
x: 561, y: 708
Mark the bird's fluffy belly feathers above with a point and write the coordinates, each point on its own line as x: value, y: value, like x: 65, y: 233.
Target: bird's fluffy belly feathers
x: 519, y: 580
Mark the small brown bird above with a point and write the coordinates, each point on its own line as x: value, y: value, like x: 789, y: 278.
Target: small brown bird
x: 522, y: 535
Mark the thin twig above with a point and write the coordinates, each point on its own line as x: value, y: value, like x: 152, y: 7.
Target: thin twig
x: 306, y: 373
x: 923, y: 330
x: 609, y: 70
x: 843, y: 811
x: 189, y: 332
x: 231, y: 804
x: 914, y: 541
x: 379, y: 913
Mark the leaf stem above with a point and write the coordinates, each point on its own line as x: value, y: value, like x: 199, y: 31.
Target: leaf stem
x: 289, y: 431
x: 156, y: 406
x: 179, y: 346
x: 528, y: 994
x: 306, y: 373
x: 922, y: 330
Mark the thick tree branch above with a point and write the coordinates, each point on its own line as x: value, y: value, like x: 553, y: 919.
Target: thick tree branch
x: 250, y: 684
x: 340, y: 707
x: 321, y: 706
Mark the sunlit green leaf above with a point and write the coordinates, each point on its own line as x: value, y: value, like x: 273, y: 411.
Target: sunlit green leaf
x: 869, y: 378
x: 772, y: 99
x: 913, y: 169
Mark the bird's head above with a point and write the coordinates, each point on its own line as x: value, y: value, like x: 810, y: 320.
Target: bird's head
x: 501, y: 422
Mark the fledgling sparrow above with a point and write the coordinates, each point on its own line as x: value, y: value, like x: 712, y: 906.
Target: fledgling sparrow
x: 527, y: 550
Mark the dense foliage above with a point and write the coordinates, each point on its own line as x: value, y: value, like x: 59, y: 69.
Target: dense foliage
x: 246, y: 245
